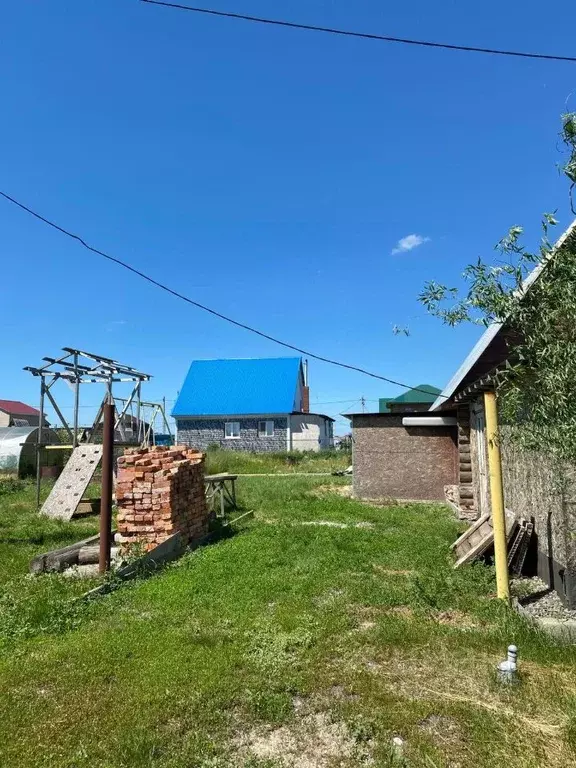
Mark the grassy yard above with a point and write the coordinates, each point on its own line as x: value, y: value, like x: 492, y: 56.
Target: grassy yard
x: 276, y: 463
x: 311, y: 638
x: 24, y: 534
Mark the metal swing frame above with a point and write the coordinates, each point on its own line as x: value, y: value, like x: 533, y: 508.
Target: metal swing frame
x: 76, y: 367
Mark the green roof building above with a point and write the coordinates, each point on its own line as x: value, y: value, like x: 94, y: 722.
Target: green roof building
x: 418, y: 399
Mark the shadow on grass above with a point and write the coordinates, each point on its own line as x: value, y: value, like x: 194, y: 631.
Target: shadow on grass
x: 53, y: 537
x: 145, y: 567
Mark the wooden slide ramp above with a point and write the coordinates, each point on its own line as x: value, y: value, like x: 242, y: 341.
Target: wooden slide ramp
x: 476, y: 540
x: 70, y: 487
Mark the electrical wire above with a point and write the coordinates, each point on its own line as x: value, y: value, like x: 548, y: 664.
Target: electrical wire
x: 339, y: 402
x: 363, y: 35
x: 203, y: 307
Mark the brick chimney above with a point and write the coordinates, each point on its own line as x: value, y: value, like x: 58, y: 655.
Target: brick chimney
x: 305, y: 399
x: 305, y: 390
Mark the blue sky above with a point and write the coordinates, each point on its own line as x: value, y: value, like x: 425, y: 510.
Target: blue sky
x: 268, y: 173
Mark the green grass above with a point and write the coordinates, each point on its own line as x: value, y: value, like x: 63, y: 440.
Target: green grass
x: 24, y: 533
x: 241, y: 462
x: 317, y: 641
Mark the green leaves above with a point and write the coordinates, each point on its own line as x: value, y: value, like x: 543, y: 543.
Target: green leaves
x: 568, y: 134
x: 537, y: 386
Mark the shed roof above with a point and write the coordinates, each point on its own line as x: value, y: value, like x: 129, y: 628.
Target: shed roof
x: 490, y: 339
x: 17, y: 407
x: 414, y: 395
x: 417, y: 395
x: 240, y: 387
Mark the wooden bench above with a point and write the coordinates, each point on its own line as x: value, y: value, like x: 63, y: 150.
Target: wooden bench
x: 221, y: 492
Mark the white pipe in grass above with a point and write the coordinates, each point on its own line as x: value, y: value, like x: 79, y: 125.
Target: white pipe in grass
x: 508, y: 669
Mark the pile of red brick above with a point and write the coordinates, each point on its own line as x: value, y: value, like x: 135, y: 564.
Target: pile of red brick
x: 160, y: 491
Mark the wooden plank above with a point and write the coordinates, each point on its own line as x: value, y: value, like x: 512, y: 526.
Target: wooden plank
x: 470, y: 531
x: 71, y: 486
x: 241, y: 517
x: 485, y: 542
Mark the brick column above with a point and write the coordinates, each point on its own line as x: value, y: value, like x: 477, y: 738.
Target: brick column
x: 160, y: 491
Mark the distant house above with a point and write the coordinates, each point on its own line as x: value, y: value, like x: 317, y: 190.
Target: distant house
x: 259, y: 404
x: 415, y: 400
x: 14, y: 413
x: 129, y: 430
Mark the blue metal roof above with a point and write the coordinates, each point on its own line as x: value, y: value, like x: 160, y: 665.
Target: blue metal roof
x: 237, y: 387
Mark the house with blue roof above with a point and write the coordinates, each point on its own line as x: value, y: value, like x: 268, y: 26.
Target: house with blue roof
x: 255, y: 404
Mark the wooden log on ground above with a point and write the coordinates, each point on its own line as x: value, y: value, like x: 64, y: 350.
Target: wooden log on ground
x: 91, y: 555
x: 88, y: 555
x: 57, y: 559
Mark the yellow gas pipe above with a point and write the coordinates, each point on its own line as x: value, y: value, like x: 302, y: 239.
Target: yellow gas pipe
x: 497, y: 497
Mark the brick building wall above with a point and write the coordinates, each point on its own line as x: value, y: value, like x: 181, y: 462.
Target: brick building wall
x: 392, y: 461
x: 203, y: 433
x: 159, y: 492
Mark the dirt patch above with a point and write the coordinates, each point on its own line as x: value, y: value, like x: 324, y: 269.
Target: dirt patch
x: 366, y: 625
x: 441, y: 728
x: 325, y: 523
x: 456, y: 619
x: 340, y: 693
x: 315, y: 741
x: 339, y: 490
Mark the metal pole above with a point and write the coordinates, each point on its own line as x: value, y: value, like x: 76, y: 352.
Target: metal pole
x: 76, y: 400
x: 107, y: 481
x: 497, y: 497
x: 138, y: 410
x: 39, y: 444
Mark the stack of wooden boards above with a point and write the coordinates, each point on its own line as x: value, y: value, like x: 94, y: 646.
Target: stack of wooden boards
x: 476, y: 541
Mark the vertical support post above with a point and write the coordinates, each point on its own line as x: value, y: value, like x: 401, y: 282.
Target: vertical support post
x: 138, y: 410
x: 497, y: 497
x: 39, y: 444
x: 76, y: 400
x: 107, y: 480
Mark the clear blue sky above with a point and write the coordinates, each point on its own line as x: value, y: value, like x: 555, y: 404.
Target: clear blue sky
x: 268, y: 173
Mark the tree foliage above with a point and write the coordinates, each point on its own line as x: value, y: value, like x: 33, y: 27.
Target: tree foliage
x: 537, y: 387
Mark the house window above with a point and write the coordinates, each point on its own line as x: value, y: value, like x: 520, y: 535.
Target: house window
x: 21, y: 422
x: 232, y: 430
x: 265, y: 429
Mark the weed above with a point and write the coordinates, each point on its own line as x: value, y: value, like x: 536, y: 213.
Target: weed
x: 9, y: 485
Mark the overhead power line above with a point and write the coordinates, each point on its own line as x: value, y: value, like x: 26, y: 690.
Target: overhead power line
x: 363, y: 35
x: 203, y: 307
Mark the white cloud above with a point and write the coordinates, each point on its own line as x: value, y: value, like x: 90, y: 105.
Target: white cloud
x: 409, y: 242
